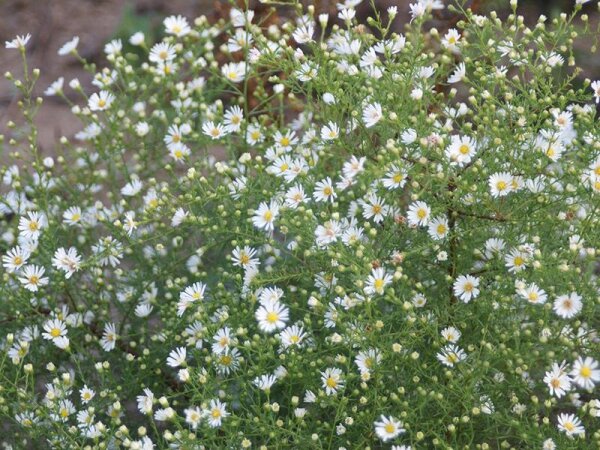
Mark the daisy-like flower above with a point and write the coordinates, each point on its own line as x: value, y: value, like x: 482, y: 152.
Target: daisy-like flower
x: 388, y: 428
x: 177, y: 25
x: 461, y: 150
x: 264, y: 217
x: 65, y: 409
x: 162, y: 52
x: 533, y: 294
x: 304, y: 34
x: 54, y: 329
x: 69, y: 47
x: 373, y: 207
x: 233, y: 119
x: 18, y: 42
x: 145, y: 402
x: 438, y: 228
x: 568, y: 306
x: 558, y: 380
x: 466, y: 288
x: 272, y: 316
x: 292, y: 336
x: 177, y: 357
x: 372, y: 114
x: 55, y: 87
x: 570, y: 425
x: 285, y: 141
x: 332, y: 380
x: 234, y: 72
x: 193, y: 417
x: 451, y: 39
x: 215, y: 413
x: 330, y: 131
x: 244, y: 257
x: 295, y: 196
x: 324, y: 191
x: 30, y: 226
x: 100, y: 101
x: 15, y: 258
x: 451, y: 334
x: 67, y: 260
x: 32, y: 277
x: 418, y: 214
x: 222, y: 341
x: 327, y: 233
x: 516, y: 260
x: 86, y: 394
x: 451, y: 355
x: 395, y: 178
x: 254, y: 134
x: 109, y: 337
x: 191, y: 294
x: 585, y: 372
x: 265, y: 382
x: 367, y: 360
x: 377, y: 281
x: 214, y: 131
x: 501, y: 184
x: 458, y: 74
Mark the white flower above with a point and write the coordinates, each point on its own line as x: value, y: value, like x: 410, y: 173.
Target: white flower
x: 32, y: 277
x: 438, y: 228
x: 377, y: 281
x: 18, y: 42
x: 177, y: 25
x: 570, y: 424
x: 327, y: 233
x: 295, y: 196
x: 193, y: 416
x: 451, y: 334
x: 451, y: 39
x: 55, y: 87
x: 213, y: 131
x: 330, y: 131
x: 332, y: 380
x: 324, y: 191
x: 533, y: 294
x: 233, y: 119
x: 264, y: 217
x: 137, y: 38
x: 69, y: 47
x: 145, y: 402
x: 67, y: 260
x: 292, y: 336
x: 30, y: 226
x: 109, y: 337
x: 177, y: 357
x: 272, y: 316
x: 568, y: 306
x: 372, y: 114
x: 234, y: 72
x: 501, y: 184
x: 215, y: 413
x: 450, y: 355
x: 458, y: 74
x: 304, y: 34
x: 100, y: 101
x: 373, y: 207
x: 558, y: 381
x: 15, y: 258
x: 162, y: 52
x: 388, y: 428
x: 596, y: 88
x: 461, y: 150
x: 264, y: 382
x: 54, y: 329
x: 585, y: 372
x: 466, y: 288
x: 418, y: 214
x: 86, y: 394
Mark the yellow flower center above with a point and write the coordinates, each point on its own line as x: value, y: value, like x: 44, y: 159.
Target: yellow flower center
x: 17, y: 260
x: 34, y: 279
x: 398, y: 178
x: 377, y: 209
x: 244, y: 259
x: 268, y: 216
x: 331, y: 382
x: 101, y: 103
x: 468, y: 287
x: 216, y: 413
x: 378, y: 284
x: 226, y: 360
x: 389, y: 428
x: 421, y: 213
x: 464, y: 149
x: 569, y: 426
x: 285, y: 141
x: 55, y: 332
x: 585, y: 372
x: 501, y: 185
x: 272, y: 317
x: 441, y: 228
x: 518, y: 261
x: 33, y: 225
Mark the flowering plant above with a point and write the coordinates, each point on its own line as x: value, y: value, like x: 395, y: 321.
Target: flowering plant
x: 312, y: 234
